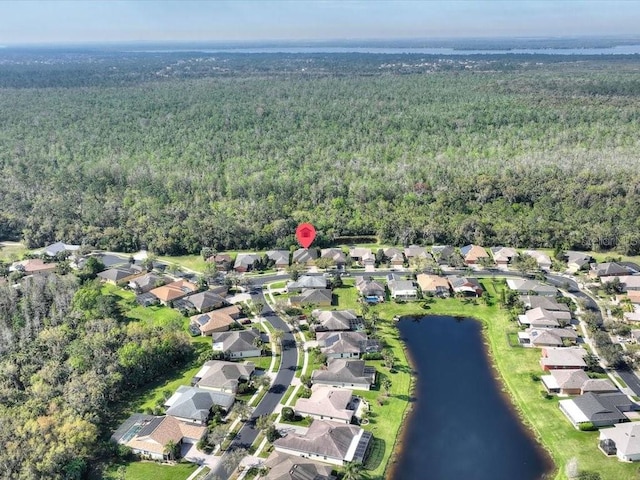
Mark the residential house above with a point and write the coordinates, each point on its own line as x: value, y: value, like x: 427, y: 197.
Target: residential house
x: 563, y: 358
x: 467, y: 286
x: 245, y: 262
x: 371, y: 290
x: 304, y: 256
x: 362, y: 256
x: 547, y: 337
x: 223, y: 261
x: 345, y: 344
x: 473, y: 253
x: 306, y: 282
x: 219, y: 320
x: 531, y: 287
x: 173, y: 291
x: 328, y: 442
x: 336, y: 255
x: 345, y: 373
x: 327, y: 403
x: 622, y: 440
x: 543, y: 260
x: 443, y: 254
x: 147, y: 435
x: 146, y: 282
x: 415, y: 251
x: 547, y: 303
x: 193, y: 404
x: 599, y: 409
x: 121, y: 275
x: 222, y: 376
x: 577, y: 261
x: 395, y: 256
x: 59, y: 247
x: 503, y: 256
x: 401, y: 289
x: 237, y: 343
x: 281, y: 466
x: 313, y: 296
x: 541, y: 318
x: 575, y: 382
x: 608, y: 269
x: 334, y: 320
x: 33, y: 266
x: 433, y: 285
x: 630, y: 283
x: 204, y: 301
x: 279, y: 257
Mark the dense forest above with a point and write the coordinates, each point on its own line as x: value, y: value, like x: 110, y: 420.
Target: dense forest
x: 66, y: 360
x: 179, y: 151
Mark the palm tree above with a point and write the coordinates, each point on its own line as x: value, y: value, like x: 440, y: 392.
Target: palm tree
x: 352, y: 471
x: 171, y: 450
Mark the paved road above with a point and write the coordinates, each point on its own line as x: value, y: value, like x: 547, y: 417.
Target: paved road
x: 289, y: 361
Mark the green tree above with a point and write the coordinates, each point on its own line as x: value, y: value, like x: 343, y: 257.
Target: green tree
x: 353, y: 471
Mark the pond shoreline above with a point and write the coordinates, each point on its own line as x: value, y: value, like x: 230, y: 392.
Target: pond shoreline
x: 502, y: 388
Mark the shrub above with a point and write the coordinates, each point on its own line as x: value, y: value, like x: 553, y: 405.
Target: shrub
x: 587, y: 427
x: 372, y: 356
x: 535, y: 377
x: 288, y: 414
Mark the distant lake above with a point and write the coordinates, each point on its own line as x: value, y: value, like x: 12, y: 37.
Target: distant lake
x: 461, y: 425
x: 617, y: 50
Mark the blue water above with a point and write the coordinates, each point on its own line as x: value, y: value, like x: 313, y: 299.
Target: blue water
x: 461, y: 427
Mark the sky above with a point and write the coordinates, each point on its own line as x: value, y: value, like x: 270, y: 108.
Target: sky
x: 84, y: 21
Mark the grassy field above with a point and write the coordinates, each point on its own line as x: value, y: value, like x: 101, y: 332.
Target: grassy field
x: 11, y: 252
x: 151, y: 470
x: 191, y: 262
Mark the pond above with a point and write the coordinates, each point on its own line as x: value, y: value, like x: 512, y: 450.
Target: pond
x: 461, y: 425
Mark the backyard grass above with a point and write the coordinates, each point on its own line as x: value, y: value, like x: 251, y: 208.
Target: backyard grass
x: 191, y: 262
x: 138, y: 470
x: 276, y: 285
x: 11, y: 252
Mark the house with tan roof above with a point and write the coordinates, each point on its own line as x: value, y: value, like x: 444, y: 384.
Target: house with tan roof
x: 223, y: 376
x: 621, y: 440
x: 327, y: 403
x: 336, y: 255
x: 503, y: 255
x: 173, y: 291
x: 547, y: 337
x: 575, y: 382
x: 542, y: 259
x: 219, y: 320
x: 33, y: 266
x: 433, y: 285
x: 345, y: 344
x: 281, y: 466
x: 416, y: 251
x: 333, y: 320
x: 148, y: 436
x: 473, y: 253
x: 563, y: 358
x: 328, y: 442
x: 395, y: 256
x: 542, y: 318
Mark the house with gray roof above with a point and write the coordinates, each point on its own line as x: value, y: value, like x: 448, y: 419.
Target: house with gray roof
x: 531, y: 287
x: 281, y: 466
x: 542, y: 259
x: 395, y: 256
x: 335, y: 254
x: 622, y: 440
x: 416, y: 251
x: 332, y: 320
x: 577, y: 261
x: 547, y: 337
x: 222, y: 376
x: 345, y: 373
x: 320, y: 297
x: 503, y: 255
x: 575, y: 382
x: 121, y: 275
x: 305, y: 256
x: 327, y: 403
x: 400, y: 289
x: 600, y: 409
x: 146, y: 282
x: 245, y: 261
x: 328, y: 442
x: 280, y: 258
x: 609, y: 269
x: 547, y: 303
x: 443, y: 254
x: 58, y: 247
x: 237, y: 343
x: 467, y: 286
x: 306, y: 282
x: 362, y: 256
x: 205, y: 301
x: 345, y: 344
x: 192, y: 404
x: 541, y: 318
x: 371, y: 290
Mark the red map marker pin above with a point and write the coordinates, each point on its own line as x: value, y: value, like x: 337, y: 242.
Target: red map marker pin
x: 305, y: 233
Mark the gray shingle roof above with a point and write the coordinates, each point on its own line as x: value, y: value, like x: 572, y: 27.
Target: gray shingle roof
x: 345, y: 371
x: 236, y: 341
x: 604, y: 406
x: 196, y: 403
x: 223, y: 375
x: 323, y: 438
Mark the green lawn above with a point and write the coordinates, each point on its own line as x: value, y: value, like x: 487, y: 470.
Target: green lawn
x: 151, y: 470
x: 192, y: 262
x: 287, y: 394
x: 276, y: 285
x: 12, y: 252
x: 347, y: 296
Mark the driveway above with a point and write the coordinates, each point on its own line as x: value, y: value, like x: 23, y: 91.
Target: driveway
x: 192, y: 454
